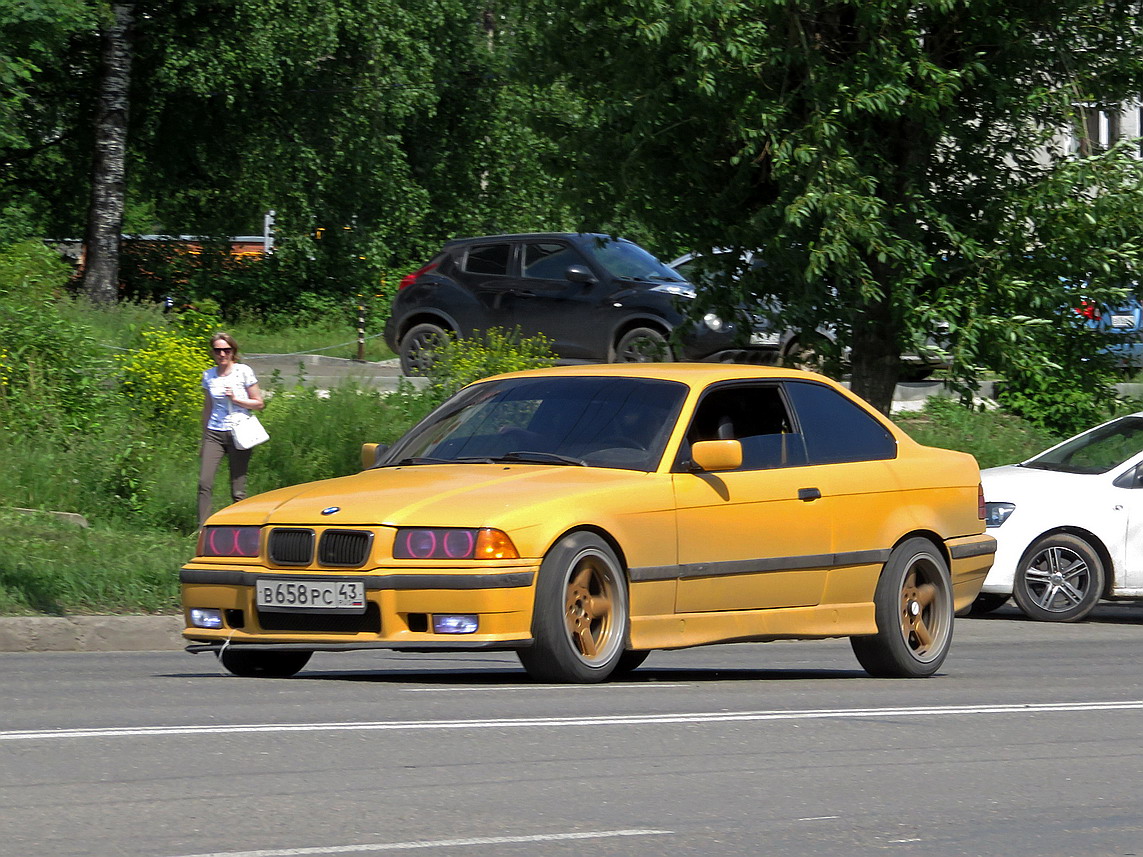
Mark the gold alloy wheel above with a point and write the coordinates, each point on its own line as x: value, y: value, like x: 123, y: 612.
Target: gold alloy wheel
x: 917, y: 599
x: 588, y: 607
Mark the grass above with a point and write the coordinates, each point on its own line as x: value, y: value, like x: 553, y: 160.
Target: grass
x: 51, y: 567
x: 117, y: 327
x: 993, y: 437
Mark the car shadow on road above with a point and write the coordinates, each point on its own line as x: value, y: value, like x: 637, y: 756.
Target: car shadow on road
x: 1103, y: 614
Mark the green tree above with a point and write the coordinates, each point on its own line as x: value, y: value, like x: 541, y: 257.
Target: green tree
x: 889, y: 156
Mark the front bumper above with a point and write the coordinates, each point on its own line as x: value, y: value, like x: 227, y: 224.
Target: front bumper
x: 399, y: 607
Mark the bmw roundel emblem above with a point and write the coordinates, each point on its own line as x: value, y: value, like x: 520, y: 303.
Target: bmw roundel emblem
x: 330, y: 510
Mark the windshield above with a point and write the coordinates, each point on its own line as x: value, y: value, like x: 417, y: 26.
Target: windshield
x: 1097, y: 451
x: 631, y: 262
x: 594, y: 422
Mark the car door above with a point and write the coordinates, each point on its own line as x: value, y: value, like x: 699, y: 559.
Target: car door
x: 1126, y: 495
x: 486, y: 270
x: 760, y: 536
x: 546, y: 302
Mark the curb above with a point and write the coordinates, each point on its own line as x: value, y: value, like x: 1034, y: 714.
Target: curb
x: 91, y: 633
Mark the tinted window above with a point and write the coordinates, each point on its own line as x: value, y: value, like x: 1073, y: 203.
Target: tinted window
x: 549, y: 261
x: 602, y: 422
x: 757, y: 417
x: 1096, y: 451
x: 835, y: 428
x: 631, y: 262
x: 488, y: 259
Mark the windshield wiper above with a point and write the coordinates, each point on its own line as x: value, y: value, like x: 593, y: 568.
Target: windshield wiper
x: 418, y: 459
x: 541, y: 458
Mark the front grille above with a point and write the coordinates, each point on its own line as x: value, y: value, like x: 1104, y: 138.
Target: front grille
x: 368, y: 622
x: 291, y: 547
x: 347, y: 548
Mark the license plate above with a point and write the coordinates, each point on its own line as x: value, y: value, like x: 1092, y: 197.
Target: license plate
x: 1123, y: 321
x: 347, y: 596
x: 764, y: 338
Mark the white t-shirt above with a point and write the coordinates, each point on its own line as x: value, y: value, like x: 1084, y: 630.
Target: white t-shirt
x: 239, y: 379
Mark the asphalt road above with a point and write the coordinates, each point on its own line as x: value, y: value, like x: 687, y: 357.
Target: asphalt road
x: 1028, y: 743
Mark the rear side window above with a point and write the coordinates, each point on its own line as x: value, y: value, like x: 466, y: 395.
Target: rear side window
x: 488, y: 259
x: 835, y: 429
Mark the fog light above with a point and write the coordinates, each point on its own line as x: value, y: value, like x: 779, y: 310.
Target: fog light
x: 205, y: 617
x: 462, y: 624
x: 713, y: 322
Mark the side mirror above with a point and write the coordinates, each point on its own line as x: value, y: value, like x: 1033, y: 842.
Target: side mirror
x: 715, y: 455
x: 371, y: 453
x: 580, y: 274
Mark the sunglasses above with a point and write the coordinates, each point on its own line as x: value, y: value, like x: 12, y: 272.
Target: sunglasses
x: 222, y: 350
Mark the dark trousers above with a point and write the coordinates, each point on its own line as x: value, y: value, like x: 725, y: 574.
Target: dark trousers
x: 215, y: 445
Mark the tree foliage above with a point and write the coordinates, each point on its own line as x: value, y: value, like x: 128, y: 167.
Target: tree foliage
x: 881, y: 152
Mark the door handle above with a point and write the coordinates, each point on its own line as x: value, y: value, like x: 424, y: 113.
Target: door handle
x: 809, y: 494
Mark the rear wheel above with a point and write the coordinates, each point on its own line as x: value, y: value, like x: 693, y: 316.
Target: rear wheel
x: 254, y: 664
x: 914, y: 612
x: 643, y: 345
x: 580, y: 620
x: 804, y: 357
x: 418, y: 348
x: 1060, y: 579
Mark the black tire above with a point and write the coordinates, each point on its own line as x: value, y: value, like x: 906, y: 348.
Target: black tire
x: 630, y: 661
x: 418, y: 348
x: 1059, y: 579
x: 802, y: 357
x: 643, y: 345
x: 253, y: 664
x: 987, y: 602
x: 580, y: 620
x: 914, y: 611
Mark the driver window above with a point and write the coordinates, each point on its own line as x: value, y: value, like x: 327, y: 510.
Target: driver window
x: 548, y: 260
x: 757, y: 417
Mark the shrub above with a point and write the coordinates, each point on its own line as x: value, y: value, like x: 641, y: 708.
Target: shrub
x: 459, y: 362
x: 162, y: 379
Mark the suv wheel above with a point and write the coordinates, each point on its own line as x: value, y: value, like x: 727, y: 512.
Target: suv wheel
x: 418, y: 348
x: 643, y: 345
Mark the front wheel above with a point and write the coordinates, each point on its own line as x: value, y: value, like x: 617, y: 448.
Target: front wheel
x: 580, y: 620
x: 914, y: 612
x: 1060, y: 579
x: 253, y: 664
x: 418, y: 348
x: 643, y: 345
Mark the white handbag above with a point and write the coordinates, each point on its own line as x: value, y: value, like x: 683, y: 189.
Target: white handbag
x: 246, y: 429
x: 249, y: 432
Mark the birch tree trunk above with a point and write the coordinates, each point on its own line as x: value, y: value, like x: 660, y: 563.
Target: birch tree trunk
x: 109, y: 167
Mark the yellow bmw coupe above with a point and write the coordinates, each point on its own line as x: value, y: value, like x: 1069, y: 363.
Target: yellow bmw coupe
x: 585, y: 516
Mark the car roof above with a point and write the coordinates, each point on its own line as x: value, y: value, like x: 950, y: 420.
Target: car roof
x: 534, y: 236
x: 692, y: 374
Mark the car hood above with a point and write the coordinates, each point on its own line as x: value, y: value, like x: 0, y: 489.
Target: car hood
x: 439, y: 495
x: 1013, y: 482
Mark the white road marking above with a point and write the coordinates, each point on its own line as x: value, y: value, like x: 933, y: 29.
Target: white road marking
x: 578, y: 722
x: 428, y: 843
x: 820, y: 818
x: 534, y: 687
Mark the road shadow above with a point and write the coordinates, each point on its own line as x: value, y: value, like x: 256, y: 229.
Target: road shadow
x: 1105, y: 613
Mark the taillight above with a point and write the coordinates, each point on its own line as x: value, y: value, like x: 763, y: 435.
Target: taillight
x: 981, y: 511
x: 1088, y: 310
x: 409, y: 279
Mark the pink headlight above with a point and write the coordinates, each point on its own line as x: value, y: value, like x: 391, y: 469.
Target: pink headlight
x: 435, y: 543
x: 230, y: 541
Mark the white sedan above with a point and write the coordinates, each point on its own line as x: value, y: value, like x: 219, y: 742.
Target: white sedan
x: 1068, y: 524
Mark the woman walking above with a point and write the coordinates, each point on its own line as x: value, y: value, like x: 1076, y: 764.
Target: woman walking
x: 230, y: 389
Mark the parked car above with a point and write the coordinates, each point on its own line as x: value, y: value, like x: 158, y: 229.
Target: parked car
x: 584, y: 516
x: 1068, y: 524
x: 1123, y: 320
x: 784, y: 345
x: 597, y: 298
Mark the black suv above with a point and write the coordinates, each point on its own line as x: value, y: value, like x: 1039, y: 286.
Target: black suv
x: 595, y: 297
